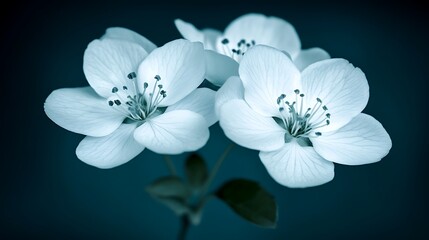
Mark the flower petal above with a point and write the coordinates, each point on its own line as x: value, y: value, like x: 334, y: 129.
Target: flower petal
x: 219, y: 67
x: 310, y: 56
x: 107, y: 62
x: 200, y: 101
x: 181, y: 66
x: 248, y: 128
x: 206, y: 36
x: 363, y: 140
x: 112, y: 150
x: 81, y: 110
x: 125, y: 34
x: 341, y: 87
x: 174, y: 132
x: 271, y: 31
x: 297, y: 167
x: 266, y: 74
x: 232, y: 89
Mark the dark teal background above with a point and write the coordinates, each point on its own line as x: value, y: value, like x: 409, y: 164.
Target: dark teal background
x: 46, y: 192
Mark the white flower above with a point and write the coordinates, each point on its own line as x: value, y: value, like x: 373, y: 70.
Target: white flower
x: 137, y: 99
x: 241, y: 35
x: 300, y: 122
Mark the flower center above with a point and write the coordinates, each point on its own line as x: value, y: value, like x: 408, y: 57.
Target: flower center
x: 133, y: 104
x: 237, y: 51
x: 299, y: 123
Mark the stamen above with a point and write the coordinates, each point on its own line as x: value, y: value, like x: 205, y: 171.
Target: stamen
x: 299, y: 123
x: 240, y: 49
x: 302, y: 103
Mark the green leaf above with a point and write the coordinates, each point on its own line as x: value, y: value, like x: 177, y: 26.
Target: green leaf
x: 249, y: 200
x: 178, y: 205
x: 171, y: 186
x: 196, y: 171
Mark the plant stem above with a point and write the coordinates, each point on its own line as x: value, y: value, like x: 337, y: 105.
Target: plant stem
x: 170, y: 165
x: 216, y: 169
x: 184, y: 228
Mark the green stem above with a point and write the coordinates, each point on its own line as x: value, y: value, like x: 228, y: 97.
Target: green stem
x: 170, y: 165
x: 216, y: 169
x: 184, y: 228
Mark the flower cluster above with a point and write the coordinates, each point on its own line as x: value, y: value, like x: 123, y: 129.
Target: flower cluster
x: 299, y: 108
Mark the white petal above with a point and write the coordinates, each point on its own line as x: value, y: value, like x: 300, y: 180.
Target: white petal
x: 232, y: 89
x: 200, y: 101
x: 210, y: 38
x: 112, y: 150
x: 81, y: 110
x: 181, y: 66
x: 270, y: 31
x: 363, y: 140
x: 125, y: 34
x: 249, y: 129
x: 108, y: 62
x: 219, y: 67
x: 341, y: 87
x: 266, y: 74
x: 310, y: 56
x: 207, y: 36
x: 174, y: 132
x: 297, y: 167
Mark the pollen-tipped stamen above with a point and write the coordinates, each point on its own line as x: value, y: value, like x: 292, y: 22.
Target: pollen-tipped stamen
x: 300, y: 123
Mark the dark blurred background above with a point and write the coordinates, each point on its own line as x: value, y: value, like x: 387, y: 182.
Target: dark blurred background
x: 46, y: 192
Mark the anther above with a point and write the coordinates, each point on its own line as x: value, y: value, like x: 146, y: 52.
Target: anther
x: 114, y: 90
x: 301, y: 95
x: 145, y: 85
x: 328, y: 115
x: 110, y: 103
x: 325, y: 108
x: 318, y: 134
x: 124, y: 87
x: 157, y: 77
x: 225, y: 41
x: 318, y: 99
x: 117, y: 102
x: 280, y: 98
x: 132, y: 75
x: 296, y: 91
x: 160, y: 86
